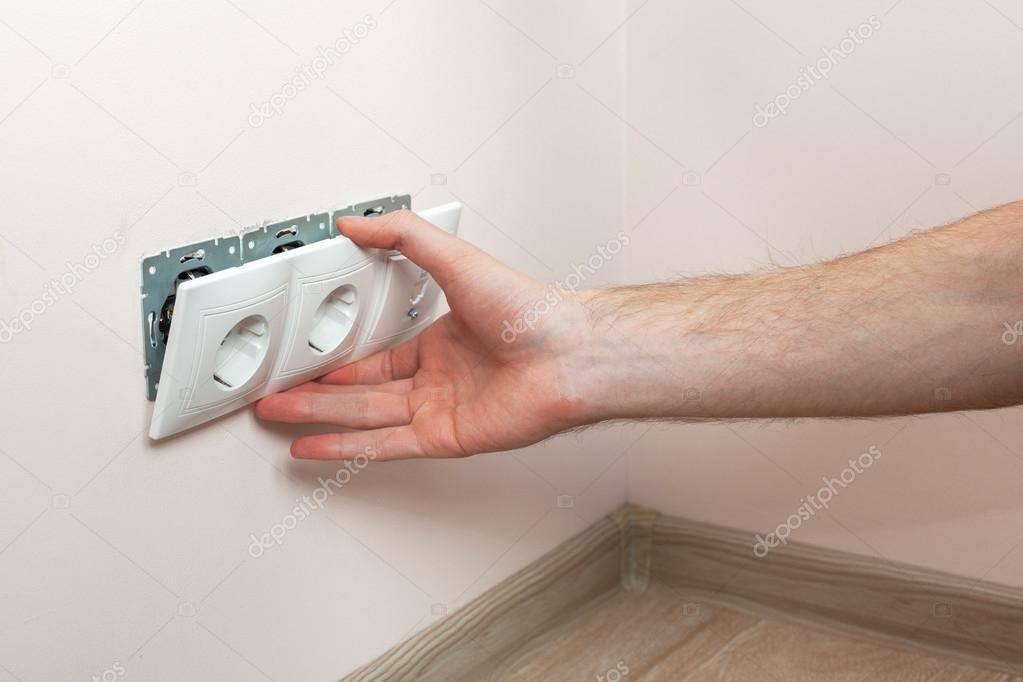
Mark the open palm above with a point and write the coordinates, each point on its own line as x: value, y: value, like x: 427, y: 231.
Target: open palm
x: 468, y: 384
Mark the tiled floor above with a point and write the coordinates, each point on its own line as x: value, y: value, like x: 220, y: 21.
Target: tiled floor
x: 660, y: 635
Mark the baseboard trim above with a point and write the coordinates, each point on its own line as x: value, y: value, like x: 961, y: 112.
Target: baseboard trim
x: 477, y: 641
x: 976, y: 622
x: 937, y: 613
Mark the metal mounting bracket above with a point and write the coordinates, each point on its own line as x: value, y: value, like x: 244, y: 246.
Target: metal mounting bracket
x: 284, y: 236
x: 371, y: 208
x: 162, y: 272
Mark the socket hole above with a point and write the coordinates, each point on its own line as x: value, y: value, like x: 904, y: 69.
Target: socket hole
x: 231, y: 250
x: 152, y: 269
x: 376, y: 210
x: 334, y: 319
x: 242, y: 352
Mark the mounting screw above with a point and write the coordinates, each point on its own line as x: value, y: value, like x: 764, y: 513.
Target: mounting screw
x: 413, y: 313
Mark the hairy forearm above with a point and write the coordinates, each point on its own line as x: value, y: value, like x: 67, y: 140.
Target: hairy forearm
x: 914, y: 326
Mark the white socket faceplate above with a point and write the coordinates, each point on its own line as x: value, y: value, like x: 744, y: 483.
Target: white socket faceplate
x: 246, y: 332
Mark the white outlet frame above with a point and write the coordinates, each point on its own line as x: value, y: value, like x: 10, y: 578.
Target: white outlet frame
x: 286, y: 289
x: 160, y: 273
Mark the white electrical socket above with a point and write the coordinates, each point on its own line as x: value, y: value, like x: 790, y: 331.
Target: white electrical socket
x: 334, y: 288
x: 246, y: 332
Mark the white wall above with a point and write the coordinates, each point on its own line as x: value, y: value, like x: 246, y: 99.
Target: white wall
x: 919, y: 125
x: 124, y: 556
x: 119, y: 555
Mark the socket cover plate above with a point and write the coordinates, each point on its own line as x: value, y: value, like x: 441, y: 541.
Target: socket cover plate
x: 269, y: 309
x: 160, y: 271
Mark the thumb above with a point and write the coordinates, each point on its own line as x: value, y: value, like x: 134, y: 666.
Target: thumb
x: 441, y: 254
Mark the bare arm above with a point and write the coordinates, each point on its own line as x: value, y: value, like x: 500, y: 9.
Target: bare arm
x: 914, y: 326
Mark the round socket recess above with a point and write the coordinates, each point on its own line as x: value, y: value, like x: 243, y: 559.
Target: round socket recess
x: 334, y: 319
x: 242, y: 352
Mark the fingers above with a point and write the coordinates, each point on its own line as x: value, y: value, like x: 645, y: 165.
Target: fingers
x: 399, y: 387
x: 384, y: 366
x: 380, y: 445
x: 442, y: 255
x: 355, y: 410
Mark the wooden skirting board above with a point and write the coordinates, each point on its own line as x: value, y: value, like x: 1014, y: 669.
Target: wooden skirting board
x: 475, y: 642
x: 972, y: 621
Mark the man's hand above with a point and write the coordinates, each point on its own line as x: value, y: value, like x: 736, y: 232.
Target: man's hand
x: 924, y: 324
x: 464, y: 385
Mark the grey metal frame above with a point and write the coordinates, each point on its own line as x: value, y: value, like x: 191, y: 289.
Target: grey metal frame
x: 161, y: 272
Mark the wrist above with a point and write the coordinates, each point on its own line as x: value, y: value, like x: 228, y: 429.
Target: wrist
x: 641, y: 354
x: 607, y: 374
